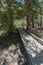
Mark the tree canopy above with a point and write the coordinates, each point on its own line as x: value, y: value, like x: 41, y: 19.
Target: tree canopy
x: 20, y: 9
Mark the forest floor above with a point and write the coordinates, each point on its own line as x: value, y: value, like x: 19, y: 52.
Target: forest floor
x: 9, y: 45
x: 38, y: 32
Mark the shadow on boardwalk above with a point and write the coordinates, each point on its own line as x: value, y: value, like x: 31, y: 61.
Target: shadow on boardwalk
x: 39, y: 58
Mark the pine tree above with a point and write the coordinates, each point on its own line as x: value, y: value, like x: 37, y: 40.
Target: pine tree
x: 10, y: 14
x: 31, y: 11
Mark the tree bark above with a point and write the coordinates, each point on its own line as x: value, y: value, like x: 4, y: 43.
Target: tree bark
x: 32, y: 22
x: 41, y: 17
x: 10, y: 16
x: 28, y: 21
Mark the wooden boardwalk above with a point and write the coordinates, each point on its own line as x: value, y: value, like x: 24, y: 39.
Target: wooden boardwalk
x: 33, y: 47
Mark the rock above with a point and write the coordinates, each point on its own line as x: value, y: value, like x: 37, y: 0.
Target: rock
x: 11, y: 59
x: 12, y: 47
x: 13, y: 56
x: 20, y: 63
x: 5, y: 52
x: 13, y: 63
x: 18, y: 52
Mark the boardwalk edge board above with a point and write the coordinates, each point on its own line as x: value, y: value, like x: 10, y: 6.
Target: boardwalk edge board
x: 28, y: 55
x: 37, y: 38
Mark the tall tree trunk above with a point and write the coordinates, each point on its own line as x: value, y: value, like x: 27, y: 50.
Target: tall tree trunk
x: 41, y: 17
x: 28, y: 21
x: 10, y: 15
x: 32, y: 18
x: 41, y: 21
x: 11, y: 26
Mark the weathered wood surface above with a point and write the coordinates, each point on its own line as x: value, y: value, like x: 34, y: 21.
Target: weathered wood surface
x: 34, y: 48
x: 36, y: 37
